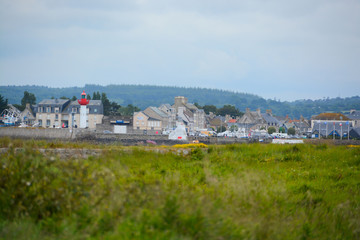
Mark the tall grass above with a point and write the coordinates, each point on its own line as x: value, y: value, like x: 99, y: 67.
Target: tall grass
x: 225, y: 192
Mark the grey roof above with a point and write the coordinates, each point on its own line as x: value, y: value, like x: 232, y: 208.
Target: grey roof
x: 93, y: 105
x: 270, y: 119
x: 153, y: 119
x: 355, y: 133
x: 354, y: 115
x: 159, y: 112
x: 53, y: 101
x: 301, y: 125
x: 167, y: 105
x: 191, y: 106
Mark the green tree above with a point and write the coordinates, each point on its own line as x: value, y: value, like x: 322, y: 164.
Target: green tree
x: 210, y: 108
x: 221, y: 129
x: 281, y: 130
x: 197, y: 105
x: 28, y: 98
x: 88, y: 97
x: 106, y: 104
x: 96, y: 96
x: 234, y: 128
x: 63, y: 97
x: 291, y: 131
x: 129, y: 110
x: 74, y: 98
x: 114, y: 109
x: 3, y: 103
x: 271, y: 130
x: 229, y: 110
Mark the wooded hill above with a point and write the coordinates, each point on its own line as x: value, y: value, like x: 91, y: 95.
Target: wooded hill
x: 145, y: 95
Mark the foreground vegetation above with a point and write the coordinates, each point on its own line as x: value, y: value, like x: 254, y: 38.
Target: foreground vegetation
x: 220, y: 192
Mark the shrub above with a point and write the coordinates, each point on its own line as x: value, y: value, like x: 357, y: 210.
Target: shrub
x: 271, y: 130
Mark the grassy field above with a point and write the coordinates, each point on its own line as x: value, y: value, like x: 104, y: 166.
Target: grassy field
x: 247, y: 191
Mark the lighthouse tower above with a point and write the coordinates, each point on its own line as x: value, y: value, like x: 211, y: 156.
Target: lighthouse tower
x: 83, y: 115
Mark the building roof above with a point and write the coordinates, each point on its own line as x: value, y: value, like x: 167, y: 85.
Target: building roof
x: 270, y: 119
x: 354, y: 115
x: 55, y: 101
x: 355, y: 133
x: 330, y: 116
x: 159, y: 112
x: 93, y: 104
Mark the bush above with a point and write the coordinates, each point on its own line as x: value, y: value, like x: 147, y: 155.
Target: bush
x: 271, y: 130
x: 291, y: 131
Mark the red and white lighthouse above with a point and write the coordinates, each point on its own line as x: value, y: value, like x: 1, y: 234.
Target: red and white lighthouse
x: 83, y: 114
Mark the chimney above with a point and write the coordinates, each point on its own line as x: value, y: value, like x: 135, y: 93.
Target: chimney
x: 258, y: 111
x: 28, y: 105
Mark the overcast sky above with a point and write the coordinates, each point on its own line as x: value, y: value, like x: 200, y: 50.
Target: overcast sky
x: 276, y: 49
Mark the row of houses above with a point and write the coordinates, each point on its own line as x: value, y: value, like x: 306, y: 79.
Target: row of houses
x: 166, y: 117
x: 56, y: 113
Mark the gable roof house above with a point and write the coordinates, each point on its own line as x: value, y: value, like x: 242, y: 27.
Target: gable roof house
x: 189, y: 114
x: 252, y: 120
x: 270, y: 120
x: 49, y: 112
x: 143, y: 122
x: 354, y: 115
x: 95, y: 111
x: 355, y: 133
x: 301, y: 126
x: 63, y: 112
x: 27, y: 116
x: 158, y: 114
x: 257, y: 120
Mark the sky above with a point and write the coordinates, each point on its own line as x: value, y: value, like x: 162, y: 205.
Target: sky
x: 288, y: 50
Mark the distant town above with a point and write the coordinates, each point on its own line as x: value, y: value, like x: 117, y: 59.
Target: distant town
x: 98, y: 114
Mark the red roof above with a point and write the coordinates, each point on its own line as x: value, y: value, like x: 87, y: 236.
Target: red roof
x: 232, y: 121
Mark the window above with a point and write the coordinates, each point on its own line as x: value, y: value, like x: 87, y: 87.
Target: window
x: 74, y: 110
x: 48, y: 109
x: 57, y: 110
x: 56, y: 116
x: 95, y: 110
x: 47, y: 123
x: 40, y: 109
x: 40, y: 123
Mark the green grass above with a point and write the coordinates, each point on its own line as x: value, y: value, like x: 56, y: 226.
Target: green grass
x: 223, y: 192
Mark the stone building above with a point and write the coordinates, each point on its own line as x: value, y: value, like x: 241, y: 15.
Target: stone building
x: 56, y: 113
